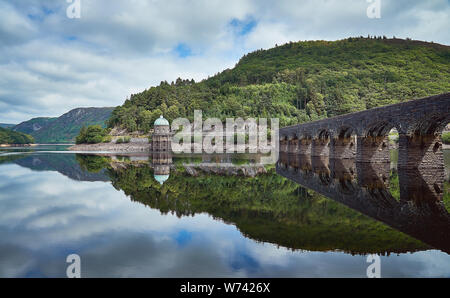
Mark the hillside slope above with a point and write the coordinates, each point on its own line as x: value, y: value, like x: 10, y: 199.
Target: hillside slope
x: 5, y: 125
x: 64, y: 129
x: 12, y: 137
x: 33, y: 125
x: 301, y: 82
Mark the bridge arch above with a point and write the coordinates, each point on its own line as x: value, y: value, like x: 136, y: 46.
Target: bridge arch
x: 373, y: 145
x: 323, y: 133
x: 343, y: 145
x: 380, y: 129
x: 284, y: 143
x: 292, y: 135
x: 422, y: 145
x: 305, y: 142
x: 294, y: 143
x: 346, y: 131
x: 429, y: 125
x: 321, y: 142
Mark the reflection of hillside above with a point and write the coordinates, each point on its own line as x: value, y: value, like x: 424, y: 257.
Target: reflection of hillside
x: 9, y: 158
x: 268, y: 209
x: 66, y: 164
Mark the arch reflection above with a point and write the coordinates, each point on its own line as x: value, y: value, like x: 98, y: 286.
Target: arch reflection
x: 419, y: 212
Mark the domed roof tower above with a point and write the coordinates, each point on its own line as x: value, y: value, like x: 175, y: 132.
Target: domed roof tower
x: 161, y: 138
x: 161, y: 121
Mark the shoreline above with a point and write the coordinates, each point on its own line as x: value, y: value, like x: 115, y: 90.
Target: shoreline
x: 138, y: 147
x: 114, y: 148
x: 18, y: 145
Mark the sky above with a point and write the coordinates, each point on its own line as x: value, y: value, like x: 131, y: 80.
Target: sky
x: 51, y: 63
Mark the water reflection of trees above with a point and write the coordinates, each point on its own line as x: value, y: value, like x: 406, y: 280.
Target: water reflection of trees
x: 268, y: 208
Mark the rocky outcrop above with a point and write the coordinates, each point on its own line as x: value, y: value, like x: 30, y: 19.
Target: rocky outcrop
x: 131, y: 147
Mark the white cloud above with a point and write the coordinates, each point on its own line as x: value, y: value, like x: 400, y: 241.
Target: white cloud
x: 50, y: 64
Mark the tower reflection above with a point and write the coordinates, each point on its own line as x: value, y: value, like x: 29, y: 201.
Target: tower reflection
x: 161, y: 162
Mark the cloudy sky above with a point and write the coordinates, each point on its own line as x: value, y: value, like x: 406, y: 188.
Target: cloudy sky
x: 50, y: 63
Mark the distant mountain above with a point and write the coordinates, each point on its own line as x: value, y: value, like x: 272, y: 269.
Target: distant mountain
x: 4, y: 125
x: 13, y: 137
x: 33, y: 125
x: 65, y: 128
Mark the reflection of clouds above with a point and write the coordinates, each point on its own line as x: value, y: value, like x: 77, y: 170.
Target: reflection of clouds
x: 423, y: 264
x: 150, y: 256
x: 46, y: 216
x: 9, y: 172
x: 14, y: 261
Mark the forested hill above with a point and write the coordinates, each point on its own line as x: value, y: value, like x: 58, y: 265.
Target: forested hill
x: 299, y: 82
x: 5, y: 125
x: 12, y: 137
x: 64, y: 129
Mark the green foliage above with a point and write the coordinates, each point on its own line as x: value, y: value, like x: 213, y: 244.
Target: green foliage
x: 300, y: 82
x: 93, y: 134
x: 446, y: 138
x: 34, y: 125
x: 65, y: 128
x: 394, y: 185
x: 123, y: 140
x: 92, y: 163
x: 13, y: 137
x: 107, y: 139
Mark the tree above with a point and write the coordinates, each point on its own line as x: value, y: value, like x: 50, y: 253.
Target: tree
x: 145, y: 121
x: 172, y: 113
x: 155, y: 115
x: 93, y: 134
x: 81, y: 138
x: 130, y: 124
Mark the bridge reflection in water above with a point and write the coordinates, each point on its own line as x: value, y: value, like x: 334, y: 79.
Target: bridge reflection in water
x: 365, y: 187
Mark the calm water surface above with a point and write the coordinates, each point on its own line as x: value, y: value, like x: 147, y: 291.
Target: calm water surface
x: 123, y: 223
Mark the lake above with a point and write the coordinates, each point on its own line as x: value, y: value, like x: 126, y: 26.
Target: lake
x: 141, y: 216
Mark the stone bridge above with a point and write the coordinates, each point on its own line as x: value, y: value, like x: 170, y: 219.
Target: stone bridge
x: 364, y: 135
x: 365, y: 187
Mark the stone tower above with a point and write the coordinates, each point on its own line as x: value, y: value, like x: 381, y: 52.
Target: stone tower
x: 161, y: 139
